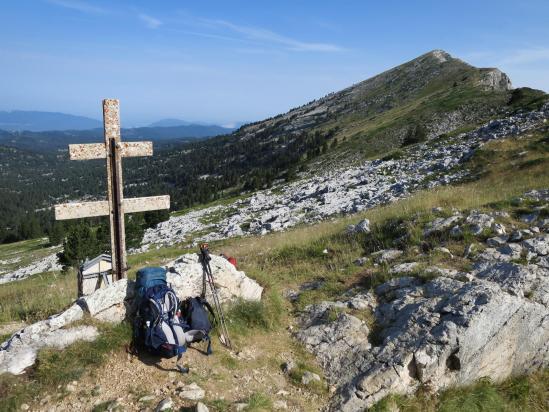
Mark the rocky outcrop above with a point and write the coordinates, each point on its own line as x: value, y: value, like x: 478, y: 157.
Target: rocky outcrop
x: 442, y: 333
x: 346, y: 190
x: 115, y: 303
x: 19, y: 352
x: 46, y: 264
x: 494, y: 80
x: 492, y: 321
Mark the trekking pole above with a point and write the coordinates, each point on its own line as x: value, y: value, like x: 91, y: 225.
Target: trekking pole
x: 205, y: 258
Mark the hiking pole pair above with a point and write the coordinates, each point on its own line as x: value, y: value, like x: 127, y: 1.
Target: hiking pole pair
x: 208, y: 278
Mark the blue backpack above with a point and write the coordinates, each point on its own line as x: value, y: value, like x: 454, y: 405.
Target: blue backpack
x: 158, y: 326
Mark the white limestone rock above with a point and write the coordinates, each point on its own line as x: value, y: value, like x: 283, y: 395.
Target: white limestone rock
x: 497, y: 241
x: 479, y: 221
x: 499, y: 229
x: 442, y: 333
x: 440, y: 224
x: 404, y: 268
x: 513, y: 250
x: 185, y: 276
x: 109, y: 303
x: 46, y: 264
x: 309, y: 377
x: 114, y: 303
x: 192, y: 392
x: 19, y: 353
x: 538, y: 245
x: 386, y: 255
x: 363, y: 226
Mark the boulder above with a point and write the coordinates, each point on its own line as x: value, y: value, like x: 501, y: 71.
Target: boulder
x: 479, y: 221
x: 109, y: 303
x: 440, y: 224
x: 440, y: 333
x: 185, y: 275
x: 538, y: 245
x: 386, y: 255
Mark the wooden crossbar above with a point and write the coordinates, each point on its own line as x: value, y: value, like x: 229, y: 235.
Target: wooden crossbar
x: 78, y: 210
x: 86, y: 151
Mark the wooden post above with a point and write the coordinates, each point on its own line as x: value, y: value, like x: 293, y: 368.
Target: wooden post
x: 115, y: 196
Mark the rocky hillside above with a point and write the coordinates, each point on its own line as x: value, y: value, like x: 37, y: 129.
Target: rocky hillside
x: 442, y: 286
x: 344, y: 190
x: 419, y: 100
x: 481, y: 312
x: 435, y: 92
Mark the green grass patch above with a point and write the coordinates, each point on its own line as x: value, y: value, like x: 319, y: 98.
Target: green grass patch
x: 219, y: 405
x: 523, y: 393
x: 247, y: 316
x: 257, y: 402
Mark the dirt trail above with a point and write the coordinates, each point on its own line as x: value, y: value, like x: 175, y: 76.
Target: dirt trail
x: 138, y: 383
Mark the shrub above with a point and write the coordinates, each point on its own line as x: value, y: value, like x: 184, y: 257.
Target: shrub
x: 265, y: 315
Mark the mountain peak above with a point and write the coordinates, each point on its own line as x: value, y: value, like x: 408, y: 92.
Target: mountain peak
x: 440, y: 55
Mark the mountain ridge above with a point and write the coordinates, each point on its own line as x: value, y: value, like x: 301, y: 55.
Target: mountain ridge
x: 430, y: 97
x: 34, y: 120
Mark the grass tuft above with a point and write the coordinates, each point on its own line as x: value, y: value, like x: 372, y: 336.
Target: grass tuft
x: 258, y: 402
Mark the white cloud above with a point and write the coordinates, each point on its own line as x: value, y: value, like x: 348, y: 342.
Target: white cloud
x: 268, y: 36
x: 150, y: 22
x: 78, y: 5
x: 527, y: 56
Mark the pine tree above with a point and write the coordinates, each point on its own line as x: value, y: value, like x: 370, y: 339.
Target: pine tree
x: 79, y: 245
x: 56, y: 234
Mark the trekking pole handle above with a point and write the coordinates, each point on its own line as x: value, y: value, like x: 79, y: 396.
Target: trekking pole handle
x: 205, y: 252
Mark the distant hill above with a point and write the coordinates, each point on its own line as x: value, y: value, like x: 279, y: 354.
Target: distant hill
x: 59, y: 139
x: 35, y: 121
x: 170, y: 123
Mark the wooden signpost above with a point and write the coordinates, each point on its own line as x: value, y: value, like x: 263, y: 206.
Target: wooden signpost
x: 115, y: 206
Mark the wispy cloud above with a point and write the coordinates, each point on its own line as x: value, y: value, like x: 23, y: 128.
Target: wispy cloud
x: 150, y: 22
x: 527, y: 56
x: 78, y: 5
x: 268, y: 36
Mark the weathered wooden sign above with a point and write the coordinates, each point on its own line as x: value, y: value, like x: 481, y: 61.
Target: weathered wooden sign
x: 115, y: 206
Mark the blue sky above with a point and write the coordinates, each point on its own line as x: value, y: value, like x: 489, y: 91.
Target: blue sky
x: 227, y: 61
